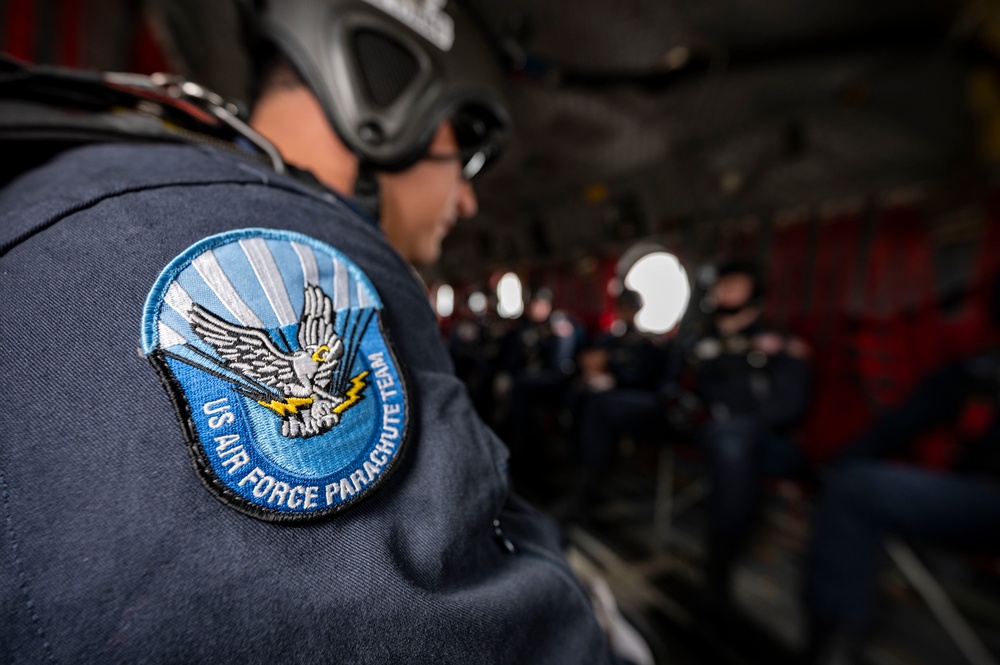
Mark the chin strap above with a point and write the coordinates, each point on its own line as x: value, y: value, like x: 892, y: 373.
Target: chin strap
x: 366, y: 191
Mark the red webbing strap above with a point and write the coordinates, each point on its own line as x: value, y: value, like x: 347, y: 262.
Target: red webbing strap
x: 835, y: 273
x: 838, y: 412
x: 897, y: 336
x: 19, y: 34
x: 70, y: 42
x: 147, y: 56
x: 787, y: 270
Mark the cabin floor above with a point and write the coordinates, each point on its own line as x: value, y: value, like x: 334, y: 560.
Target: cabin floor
x: 653, y: 568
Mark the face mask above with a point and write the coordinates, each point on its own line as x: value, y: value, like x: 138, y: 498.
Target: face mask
x: 729, y: 311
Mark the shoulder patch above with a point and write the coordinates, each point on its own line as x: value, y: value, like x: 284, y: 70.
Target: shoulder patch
x: 272, y: 348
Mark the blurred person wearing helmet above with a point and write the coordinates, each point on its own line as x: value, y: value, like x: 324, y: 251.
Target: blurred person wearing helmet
x: 617, y: 393
x: 233, y: 431
x: 536, y: 364
x: 738, y: 389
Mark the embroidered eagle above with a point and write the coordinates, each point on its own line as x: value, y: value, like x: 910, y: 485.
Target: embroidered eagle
x: 300, y: 380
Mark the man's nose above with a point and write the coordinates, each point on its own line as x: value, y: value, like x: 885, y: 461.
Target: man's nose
x: 467, y: 203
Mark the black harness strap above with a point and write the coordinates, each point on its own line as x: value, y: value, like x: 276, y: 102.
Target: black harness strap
x: 46, y: 110
x: 366, y: 190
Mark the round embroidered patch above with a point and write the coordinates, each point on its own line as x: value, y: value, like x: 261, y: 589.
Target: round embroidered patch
x: 271, y: 346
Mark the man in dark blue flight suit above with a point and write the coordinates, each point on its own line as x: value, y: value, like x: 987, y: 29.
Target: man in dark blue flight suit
x: 231, y: 432
x: 753, y: 385
x: 618, y: 393
x: 536, y: 363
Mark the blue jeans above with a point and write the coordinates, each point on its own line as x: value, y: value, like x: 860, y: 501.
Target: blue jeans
x: 865, y: 499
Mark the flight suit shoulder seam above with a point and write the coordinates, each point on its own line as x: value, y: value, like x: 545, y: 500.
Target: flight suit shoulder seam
x: 50, y: 221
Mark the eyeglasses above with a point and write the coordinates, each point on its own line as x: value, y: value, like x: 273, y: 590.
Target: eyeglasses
x: 477, y: 146
x: 472, y: 160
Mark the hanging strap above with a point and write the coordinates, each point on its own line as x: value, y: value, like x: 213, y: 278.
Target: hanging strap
x: 366, y: 191
x: 63, y: 108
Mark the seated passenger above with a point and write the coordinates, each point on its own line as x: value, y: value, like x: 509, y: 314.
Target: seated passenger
x: 536, y: 365
x: 753, y: 384
x: 866, y: 496
x: 473, y: 344
x: 618, y: 394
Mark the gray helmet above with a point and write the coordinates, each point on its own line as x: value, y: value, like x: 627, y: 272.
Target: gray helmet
x: 388, y: 72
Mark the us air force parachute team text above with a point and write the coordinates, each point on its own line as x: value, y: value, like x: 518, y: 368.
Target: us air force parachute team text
x: 234, y: 457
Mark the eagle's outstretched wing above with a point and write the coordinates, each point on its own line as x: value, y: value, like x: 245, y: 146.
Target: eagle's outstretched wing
x: 316, y: 330
x: 317, y: 319
x: 248, y: 351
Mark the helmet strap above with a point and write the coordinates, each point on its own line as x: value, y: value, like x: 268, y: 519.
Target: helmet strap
x: 366, y: 191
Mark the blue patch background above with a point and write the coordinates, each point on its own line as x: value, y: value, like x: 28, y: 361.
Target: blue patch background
x: 332, y: 451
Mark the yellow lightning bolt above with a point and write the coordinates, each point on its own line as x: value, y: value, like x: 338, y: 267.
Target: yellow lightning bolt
x: 288, y: 407
x: 353, y: 393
